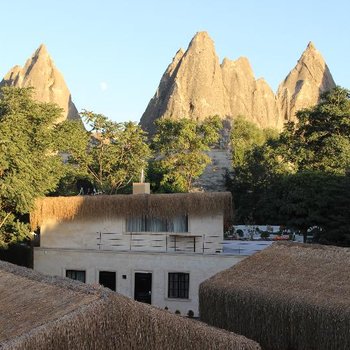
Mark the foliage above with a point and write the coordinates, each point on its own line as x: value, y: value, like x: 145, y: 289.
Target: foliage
x: 190, y: 313
x: 29, y: 163
x: 111, y: 155
x: 265, y: 234
x: 300, y: 179
x: 245, y: 136
x: 181, y: 145
x: 249, y: 182
x: 321, y: 138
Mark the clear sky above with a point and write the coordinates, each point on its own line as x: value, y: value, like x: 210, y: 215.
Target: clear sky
x: 113, y: 53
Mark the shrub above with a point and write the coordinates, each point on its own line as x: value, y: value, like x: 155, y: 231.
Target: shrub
x: 190, y: 314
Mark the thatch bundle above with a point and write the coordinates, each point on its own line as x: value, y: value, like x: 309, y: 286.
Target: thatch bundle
x: 157, y: 205
x: 44, y: 313
x: 289, y: 296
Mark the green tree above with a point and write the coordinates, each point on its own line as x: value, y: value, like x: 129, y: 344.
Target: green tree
x: 320, y: 140
x: 29, y: 162
x: 180, y: 146
x: 251, y: 181
x: 313, y: 199
x: 245, y: 136
x: 299, y: 180
x: 111, y: 154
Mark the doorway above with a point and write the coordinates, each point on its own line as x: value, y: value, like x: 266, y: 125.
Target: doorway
x: 107, y: 279
x: 143, y: 287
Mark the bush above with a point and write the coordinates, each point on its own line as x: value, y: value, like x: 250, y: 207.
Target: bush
x: 240, y: 233
x: 190, y: 314
x: 264, y: 234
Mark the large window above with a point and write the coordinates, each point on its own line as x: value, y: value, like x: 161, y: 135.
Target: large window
x: 178, y: 285
x: 78, y: 275
x: 152, y: 224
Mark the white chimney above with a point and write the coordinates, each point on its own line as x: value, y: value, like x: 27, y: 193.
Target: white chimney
x: 141, y: 188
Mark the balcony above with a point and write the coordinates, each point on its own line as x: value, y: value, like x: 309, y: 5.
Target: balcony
x: 159, y: 242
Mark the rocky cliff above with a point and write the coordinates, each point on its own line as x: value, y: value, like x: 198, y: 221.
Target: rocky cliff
x: 41, y: 73
x: 196, y: 86
x: 304, y: 84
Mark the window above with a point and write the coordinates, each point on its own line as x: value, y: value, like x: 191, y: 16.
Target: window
x: 153, y: 224
x: 178, y: 285
x: 78, y: 275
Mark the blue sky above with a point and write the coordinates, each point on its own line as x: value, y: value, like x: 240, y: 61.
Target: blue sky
x: 113, y: 53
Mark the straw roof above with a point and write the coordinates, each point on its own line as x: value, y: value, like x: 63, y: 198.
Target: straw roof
x: 289, y: 296
x: 42, y: 313
x: 158, y: 205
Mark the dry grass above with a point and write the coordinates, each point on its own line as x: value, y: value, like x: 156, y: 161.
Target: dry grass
x: 289, y: 296
x: 158, y: 205
x: 43, y: 313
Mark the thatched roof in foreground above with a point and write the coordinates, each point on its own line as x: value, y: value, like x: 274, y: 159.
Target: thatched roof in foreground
x: 159, y: 205
x: 42, y: 313
x: 289, y: 296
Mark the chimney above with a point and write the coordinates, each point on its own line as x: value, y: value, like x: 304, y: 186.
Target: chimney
x: 141, y: 188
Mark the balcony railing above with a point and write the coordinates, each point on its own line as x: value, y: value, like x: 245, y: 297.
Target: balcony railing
x: 159, y: 242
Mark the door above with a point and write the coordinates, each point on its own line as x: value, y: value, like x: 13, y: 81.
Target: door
x: 143, y: 287
x: 107, y: 279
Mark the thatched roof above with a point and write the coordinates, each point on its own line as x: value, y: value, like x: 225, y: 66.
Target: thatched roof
x: 159, y: 205
x: 42, y: 313
x: 289, y: 296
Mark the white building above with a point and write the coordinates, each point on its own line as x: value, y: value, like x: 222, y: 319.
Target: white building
x: 155, y: 248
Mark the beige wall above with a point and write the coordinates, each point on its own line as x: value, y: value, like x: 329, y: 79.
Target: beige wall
x: 103, y: 245
x: 111, y: 235
x: 199, y: 266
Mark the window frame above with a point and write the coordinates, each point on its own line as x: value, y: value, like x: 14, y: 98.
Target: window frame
x: 178, y: 285
x: 75, y: 272
x: 146, y: 224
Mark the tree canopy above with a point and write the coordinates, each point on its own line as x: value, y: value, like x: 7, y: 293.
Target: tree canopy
x: 110, y: 154
x: 320, y: 139
x: 180, y: 146
x: 245, y: 136
x: 29, y: 162
x: 301, y: 178
x: 40, y: 157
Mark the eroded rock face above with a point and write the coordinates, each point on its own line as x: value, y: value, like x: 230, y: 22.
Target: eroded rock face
x: 192, y: 85
x: 196, y: 86
x: 249, y: 97
x: 41, y: 73
x: 304, y: 84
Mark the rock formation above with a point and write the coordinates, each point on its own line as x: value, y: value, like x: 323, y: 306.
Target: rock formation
x: 41, y: 73
x: 247, y: 96
x: 192, y: 85
x: 304, y: 84
x: 196, y: 86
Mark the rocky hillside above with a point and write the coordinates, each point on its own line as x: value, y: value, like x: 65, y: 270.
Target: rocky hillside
x: 196, y: 85
x: 41, y: 73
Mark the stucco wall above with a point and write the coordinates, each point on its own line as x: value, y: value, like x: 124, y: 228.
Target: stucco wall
x: 199, y: 266
x: 111, y: 235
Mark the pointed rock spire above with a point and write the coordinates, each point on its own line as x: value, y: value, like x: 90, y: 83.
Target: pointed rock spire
x: 41, y: 51
x: 305, y: 83
x: 194, y: 89
x: 196, y: 86
x: 40, y: 72
x: 311, y: 46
